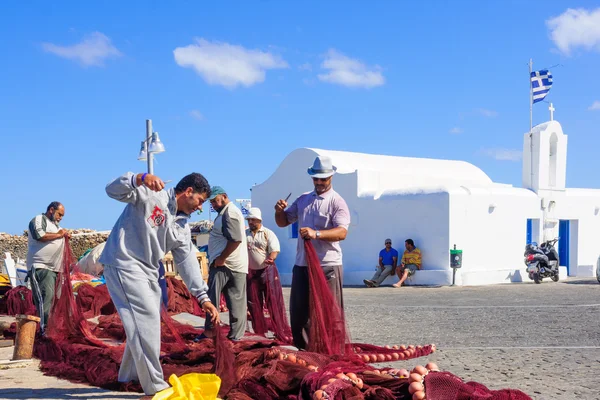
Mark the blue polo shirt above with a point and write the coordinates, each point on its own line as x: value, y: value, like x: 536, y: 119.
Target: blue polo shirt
x: 388, y: 256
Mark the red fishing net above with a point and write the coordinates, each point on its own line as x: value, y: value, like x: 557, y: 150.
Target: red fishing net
x: 94, y: 300
x: 265, y: 295
x: 81, y: 351
x: 444, y: 385
x: 328, y: 334
x: 19, y: 300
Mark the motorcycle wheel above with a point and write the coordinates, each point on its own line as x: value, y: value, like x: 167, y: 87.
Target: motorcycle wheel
x: 537, y: 278
x: 531, y: 277
x: 555, y: 278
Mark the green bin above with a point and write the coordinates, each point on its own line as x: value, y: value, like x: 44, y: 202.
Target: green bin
x: 455, y: 258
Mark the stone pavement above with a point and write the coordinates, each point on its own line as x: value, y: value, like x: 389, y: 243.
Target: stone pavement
x: 542, y: 339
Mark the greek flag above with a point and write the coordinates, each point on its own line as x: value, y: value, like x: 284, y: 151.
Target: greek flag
x: 541, y: 81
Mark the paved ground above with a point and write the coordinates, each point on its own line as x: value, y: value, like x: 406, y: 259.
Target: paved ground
x: 542, y: 339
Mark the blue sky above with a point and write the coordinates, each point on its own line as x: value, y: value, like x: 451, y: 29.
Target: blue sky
x: 233, y: 88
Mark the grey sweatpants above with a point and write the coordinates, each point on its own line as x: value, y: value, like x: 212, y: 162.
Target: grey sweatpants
x: 43, y: 286
x: 299, y: 299
x: 233, y: 286
x: 381, y: 274
x: 137, y: 301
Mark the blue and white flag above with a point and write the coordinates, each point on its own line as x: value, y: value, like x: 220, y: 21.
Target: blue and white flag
x: 541, y: 81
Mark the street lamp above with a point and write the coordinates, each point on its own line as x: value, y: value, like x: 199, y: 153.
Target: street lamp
x: 152, y: 145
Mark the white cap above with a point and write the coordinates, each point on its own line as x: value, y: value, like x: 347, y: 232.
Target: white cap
x: 254, y: 213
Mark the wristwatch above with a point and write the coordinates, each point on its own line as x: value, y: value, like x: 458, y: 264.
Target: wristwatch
x: 318, y: 234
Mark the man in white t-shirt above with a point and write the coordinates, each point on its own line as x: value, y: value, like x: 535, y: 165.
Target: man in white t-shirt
x: 45, y: 244
x: 264, y: 286
x: 228, y: 260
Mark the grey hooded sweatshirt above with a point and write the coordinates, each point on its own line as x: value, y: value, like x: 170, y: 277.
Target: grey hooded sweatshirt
x: 148, y: 228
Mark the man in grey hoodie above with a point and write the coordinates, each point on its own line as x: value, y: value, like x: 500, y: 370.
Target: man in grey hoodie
x: 154, y: 222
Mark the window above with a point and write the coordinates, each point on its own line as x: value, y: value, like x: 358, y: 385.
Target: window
x: 294, y: 230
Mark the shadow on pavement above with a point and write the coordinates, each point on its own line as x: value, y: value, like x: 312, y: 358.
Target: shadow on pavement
x: 591, y: 281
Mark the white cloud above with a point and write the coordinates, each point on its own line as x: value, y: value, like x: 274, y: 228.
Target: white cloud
x: 227, y: 64
x: 350, y: 72
x: 503, y: 154
x: 305, y: 67
x: 487, y: 113
x: 456, y: 130
x: 91, y: 51
x: 196, y: 115
x: 595, y: 106
x: 576, y: 28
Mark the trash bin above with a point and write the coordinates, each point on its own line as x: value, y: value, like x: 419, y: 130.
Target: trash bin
x: 455, y: 258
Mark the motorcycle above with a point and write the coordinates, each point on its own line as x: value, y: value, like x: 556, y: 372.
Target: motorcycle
x: 542, y: 261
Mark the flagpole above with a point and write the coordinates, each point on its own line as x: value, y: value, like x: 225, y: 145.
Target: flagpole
x: 530, y: 97
x: 530, y: 124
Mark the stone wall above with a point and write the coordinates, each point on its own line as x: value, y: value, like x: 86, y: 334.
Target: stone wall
x: 81, y: 240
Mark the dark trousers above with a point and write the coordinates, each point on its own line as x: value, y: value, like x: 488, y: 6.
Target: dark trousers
x: 299, y: 299
x: 43, y: 282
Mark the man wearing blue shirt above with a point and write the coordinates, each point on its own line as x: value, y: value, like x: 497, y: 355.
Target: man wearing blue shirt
x: 388, y: 259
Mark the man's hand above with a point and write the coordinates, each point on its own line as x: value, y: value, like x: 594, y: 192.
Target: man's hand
x: 212, y: 310
x: 308, y: 233
x: 153, y: 182
x: 64, y: 233
x: 269, y: 260
x: 281, y: 205
x: 219, y: 262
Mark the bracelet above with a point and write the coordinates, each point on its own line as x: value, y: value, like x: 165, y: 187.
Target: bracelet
x: 144, y: 176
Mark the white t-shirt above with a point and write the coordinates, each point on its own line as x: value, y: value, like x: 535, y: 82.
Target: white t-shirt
x: 46, y: 255
x: 260, y: 244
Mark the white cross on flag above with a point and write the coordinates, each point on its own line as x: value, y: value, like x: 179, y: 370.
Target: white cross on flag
x: 541, y: 81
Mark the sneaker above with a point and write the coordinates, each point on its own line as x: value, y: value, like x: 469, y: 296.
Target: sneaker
x: 369, y: 283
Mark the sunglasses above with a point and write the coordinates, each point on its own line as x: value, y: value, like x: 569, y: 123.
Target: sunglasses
x: 388, y: 242
x: 320, y: 179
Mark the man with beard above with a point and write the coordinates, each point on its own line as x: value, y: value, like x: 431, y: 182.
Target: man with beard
x: 264, y: 286
x: 228, y: 260
x: 45, y: 244
x: 323, y: 217
x: 154, y: 222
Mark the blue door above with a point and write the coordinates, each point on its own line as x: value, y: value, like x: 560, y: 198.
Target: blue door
x: 563, y: 242
x: 529, y: 230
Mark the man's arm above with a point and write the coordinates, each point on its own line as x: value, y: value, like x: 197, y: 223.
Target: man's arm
x: 234, y: 233
x: 329, y: 235
x: 230, y: 248
x: 48, y: 237
x: 395, y: 262
x: 285, y: 217
x: 189, y: 270
x: 125, y: 188
x: 37, y: 230
x: 273, y: 247
x: 381, y: 262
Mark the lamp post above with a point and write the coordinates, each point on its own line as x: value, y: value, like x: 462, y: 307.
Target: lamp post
x: 152, y: 145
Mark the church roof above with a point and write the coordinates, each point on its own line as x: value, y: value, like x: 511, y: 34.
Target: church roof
x: 348, y: 162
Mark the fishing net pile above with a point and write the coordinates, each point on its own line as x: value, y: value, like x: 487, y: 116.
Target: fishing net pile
x: 331, y: 367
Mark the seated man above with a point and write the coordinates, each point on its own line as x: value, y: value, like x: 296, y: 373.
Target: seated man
x: 388, y: 259
x: 411, y: 261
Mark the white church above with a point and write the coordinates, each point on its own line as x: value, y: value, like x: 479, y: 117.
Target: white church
x: 442, y: 203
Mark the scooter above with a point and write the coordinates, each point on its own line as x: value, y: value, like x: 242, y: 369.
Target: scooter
x: 542, y: 261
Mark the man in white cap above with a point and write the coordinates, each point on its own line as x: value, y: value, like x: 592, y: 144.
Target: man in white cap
x: 323, y: 217
x: 263, y: 284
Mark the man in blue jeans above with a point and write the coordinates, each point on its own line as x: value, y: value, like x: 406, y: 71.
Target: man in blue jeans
x: 388, y: 260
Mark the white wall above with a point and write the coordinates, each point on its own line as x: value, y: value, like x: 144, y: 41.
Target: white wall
x: 422, y: 217
x: 577, y: 205
x: 490, y: 226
